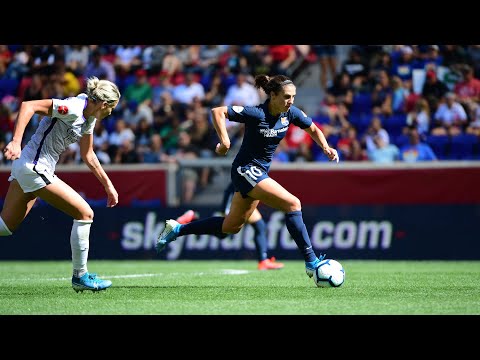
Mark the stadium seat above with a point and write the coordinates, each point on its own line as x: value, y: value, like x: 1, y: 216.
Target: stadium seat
x: 361, y: 122
x: 400, y: 140
x: 321, y: 119
x: 333, y: 140
x: 125, y: 81
x: 463, y: 147
x: 361, y: 104
x: 8, y: 87
x: 395, y: 123
x: 440, y: 145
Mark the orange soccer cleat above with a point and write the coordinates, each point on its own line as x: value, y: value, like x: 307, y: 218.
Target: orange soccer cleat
x: 269, y: 264
x: 187, y: 217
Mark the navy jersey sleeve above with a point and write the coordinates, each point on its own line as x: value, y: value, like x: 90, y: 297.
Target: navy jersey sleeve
x: 242, y: 114
x: 299, y: 118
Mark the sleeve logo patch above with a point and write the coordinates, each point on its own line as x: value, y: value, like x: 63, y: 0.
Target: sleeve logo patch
x: 237, y: 109
x: 62, y: 109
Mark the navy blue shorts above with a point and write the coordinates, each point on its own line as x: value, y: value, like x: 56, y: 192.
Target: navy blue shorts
x: 245, y: 178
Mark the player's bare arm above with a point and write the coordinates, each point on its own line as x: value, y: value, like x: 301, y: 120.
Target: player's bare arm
x: 219, y: 115
x: 27, y: 109
x: 90, y: 158
x: 318, y: 136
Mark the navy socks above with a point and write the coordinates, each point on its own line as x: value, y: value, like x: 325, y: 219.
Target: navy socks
x: 298, y: 231
x: 210, y: 226
x: 260, y: 239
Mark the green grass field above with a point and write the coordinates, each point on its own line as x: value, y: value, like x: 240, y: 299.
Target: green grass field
x: 237, y: 288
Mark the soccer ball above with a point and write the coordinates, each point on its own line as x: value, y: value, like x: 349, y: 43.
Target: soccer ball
x: 329, y: 273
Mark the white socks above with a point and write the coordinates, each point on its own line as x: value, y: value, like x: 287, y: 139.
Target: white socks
x: 79, y: 242
x: 4, y: 230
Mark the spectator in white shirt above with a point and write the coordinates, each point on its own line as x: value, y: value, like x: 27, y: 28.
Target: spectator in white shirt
x: 242, y: 93
x: 450, y: 117
x: 186, y: 92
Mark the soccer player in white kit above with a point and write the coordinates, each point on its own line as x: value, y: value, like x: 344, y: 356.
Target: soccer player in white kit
x: 33, y: 168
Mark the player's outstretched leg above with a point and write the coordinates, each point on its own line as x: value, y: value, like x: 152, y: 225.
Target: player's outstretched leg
x: 169, y: 233
x: 312, y: 265
x: 89, y: 281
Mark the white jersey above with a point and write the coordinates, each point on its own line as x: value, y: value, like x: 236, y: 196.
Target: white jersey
x: 54, y: 134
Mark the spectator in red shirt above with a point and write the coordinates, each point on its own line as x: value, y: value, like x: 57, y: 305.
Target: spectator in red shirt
x: 283, y: 57
x: 468, y: 90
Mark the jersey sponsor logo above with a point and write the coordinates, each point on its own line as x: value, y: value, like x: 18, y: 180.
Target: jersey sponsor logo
x: 272, y: 132
x: 284, y: 121
x: 237, y: 109
x: 62, y: 109
x: 73, y: 135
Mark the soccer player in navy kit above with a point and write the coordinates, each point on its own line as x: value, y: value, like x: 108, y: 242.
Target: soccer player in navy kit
x: 33, y: 176
x: 265, y: 126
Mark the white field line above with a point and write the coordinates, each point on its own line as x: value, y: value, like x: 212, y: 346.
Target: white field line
x: 126, y: 276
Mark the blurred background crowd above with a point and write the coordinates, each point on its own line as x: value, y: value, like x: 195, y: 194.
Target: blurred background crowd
x: 378, y: 103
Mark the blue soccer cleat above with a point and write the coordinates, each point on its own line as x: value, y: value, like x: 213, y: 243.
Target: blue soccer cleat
x: 89, y: 281
x: 169, y: 233
x: 312, y: 265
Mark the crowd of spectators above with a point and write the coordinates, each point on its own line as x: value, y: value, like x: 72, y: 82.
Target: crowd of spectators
x: 383, y: 103
x: 404, y: 103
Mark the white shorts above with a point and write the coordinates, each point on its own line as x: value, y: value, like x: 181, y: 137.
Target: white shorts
x: 31, y: 177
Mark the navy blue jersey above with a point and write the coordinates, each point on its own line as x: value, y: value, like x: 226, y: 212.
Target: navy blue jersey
x: 263, y: 132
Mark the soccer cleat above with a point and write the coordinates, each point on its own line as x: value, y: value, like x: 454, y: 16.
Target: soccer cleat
x: 89, y: 281
x: 169, y: 233
x: 269, y: 264
x: 188, y: 216
x: 311, y: 266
